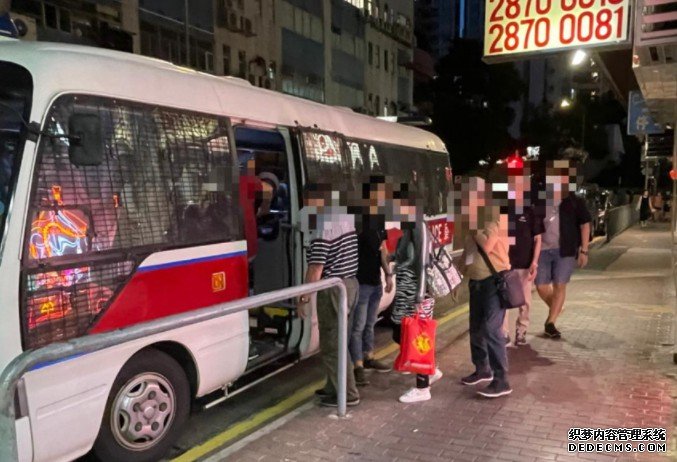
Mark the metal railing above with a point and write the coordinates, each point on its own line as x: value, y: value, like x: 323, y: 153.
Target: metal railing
x: 58, y: 351
x: 618, y: 219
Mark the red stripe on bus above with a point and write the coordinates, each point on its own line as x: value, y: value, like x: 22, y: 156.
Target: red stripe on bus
x: 176, y: 289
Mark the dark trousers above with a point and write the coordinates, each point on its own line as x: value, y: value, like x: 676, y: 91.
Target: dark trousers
x: 327, y: 318
x: 422, y: 381
x: 487, y: 341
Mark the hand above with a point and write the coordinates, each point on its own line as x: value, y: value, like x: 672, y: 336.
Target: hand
x: 454, y: 293
x: 582, y: 260
x: 533, y: 269
x: 302, y: 308
x: 389, y: 283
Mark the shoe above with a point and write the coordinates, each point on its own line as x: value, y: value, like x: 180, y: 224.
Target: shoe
x: 477, y: 377
x: 520, y: 339
x: 415, y: 395
x: 360, y: 378
x: 436, y: 376
x: 332, y: 401
x: 551, y: 331
x: 321, y: 393
x: 495, y: 389
x: 377, y: 365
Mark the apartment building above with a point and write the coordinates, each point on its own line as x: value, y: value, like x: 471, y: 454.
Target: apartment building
x: 353, y: 53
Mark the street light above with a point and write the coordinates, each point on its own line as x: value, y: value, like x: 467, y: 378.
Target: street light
x: 566, y: 104
x: 578, y: 58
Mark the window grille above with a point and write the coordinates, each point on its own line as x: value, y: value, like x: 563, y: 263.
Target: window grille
x: 167, y: 181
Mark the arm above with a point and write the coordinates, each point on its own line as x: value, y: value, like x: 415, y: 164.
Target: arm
x: 410, y: 255
x: 313, y: 274
x: 585, y: 242
x: 534, y: 261
x: 317, y: 257
x: 487, y: 241
x: 386, y: 267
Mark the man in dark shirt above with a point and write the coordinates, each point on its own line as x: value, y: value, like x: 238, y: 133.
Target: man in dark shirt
x: 372, y: 257
x: 564, y: 242
x: 525, y: 229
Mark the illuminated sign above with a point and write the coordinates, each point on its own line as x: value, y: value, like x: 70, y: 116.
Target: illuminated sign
x: 514, y: 27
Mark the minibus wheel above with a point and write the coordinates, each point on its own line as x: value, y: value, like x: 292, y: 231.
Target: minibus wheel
x: 146, y: 409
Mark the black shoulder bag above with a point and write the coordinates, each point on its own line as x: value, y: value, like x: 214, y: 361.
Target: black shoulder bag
x: 508, y: 283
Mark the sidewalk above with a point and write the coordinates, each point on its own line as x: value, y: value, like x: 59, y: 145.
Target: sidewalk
x: 611, y: 369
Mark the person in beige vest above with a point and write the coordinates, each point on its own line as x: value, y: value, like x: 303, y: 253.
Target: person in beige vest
x: 486, y: 227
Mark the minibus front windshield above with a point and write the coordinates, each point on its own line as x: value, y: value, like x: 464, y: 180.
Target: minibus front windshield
x: 15, y: 97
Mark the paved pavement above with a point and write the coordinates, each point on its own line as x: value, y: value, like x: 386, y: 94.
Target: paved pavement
x: 612, y: 369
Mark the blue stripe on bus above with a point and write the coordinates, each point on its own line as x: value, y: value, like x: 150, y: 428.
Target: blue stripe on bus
x: 56, y: 361
x: 174, y: 264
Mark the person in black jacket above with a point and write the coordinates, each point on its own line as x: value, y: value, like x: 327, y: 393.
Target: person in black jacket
x: 526, y: 228
x: 564, y: 242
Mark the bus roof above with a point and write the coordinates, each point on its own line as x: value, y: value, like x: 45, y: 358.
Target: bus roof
x: 62, y: 68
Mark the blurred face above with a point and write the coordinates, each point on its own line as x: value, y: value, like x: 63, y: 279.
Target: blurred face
x: 474, y: 202
x: 556, y: 185
x: 519, y: 187
x: 251, y: 167
x: 377, y: 199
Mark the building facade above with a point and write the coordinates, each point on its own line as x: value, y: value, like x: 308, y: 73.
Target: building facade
x: 353, y: 53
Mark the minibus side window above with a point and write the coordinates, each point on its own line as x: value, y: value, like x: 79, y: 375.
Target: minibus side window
x: 440, y: 181
x: 16, y: 88
x: 405, y: 167
x: 325, y: 158
x: 167, y: 181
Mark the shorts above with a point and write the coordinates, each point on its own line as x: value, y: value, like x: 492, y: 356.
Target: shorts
x: 553, y: 268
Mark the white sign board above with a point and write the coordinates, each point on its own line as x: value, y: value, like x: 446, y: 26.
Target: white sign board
x: 518, y: 27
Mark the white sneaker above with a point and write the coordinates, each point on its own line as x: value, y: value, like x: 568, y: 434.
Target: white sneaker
x: 436, y: 376
x: 415, y: 395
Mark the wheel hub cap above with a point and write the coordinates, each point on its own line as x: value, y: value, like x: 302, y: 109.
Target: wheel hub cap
x: 143, y: 411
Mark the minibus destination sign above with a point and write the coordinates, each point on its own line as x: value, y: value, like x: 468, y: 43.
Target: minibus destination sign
x: 519, y: 27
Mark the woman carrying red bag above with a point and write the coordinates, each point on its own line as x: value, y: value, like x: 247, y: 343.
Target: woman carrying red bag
x: 407, y: 304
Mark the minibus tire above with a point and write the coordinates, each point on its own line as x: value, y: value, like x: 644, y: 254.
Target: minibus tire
x: 158, y: 369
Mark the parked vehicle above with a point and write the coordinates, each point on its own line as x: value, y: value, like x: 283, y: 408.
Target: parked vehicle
x: 118, y: 205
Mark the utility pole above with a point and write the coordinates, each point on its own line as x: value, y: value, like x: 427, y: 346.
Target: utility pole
x: 187, y: 32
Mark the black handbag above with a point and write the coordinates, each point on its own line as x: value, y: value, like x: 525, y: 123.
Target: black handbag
x: 508, y: 284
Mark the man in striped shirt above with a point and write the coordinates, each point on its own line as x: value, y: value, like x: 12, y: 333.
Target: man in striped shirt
x: 332, y: 253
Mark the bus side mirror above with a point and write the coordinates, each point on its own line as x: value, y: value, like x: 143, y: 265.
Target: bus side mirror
x: 86, y: 147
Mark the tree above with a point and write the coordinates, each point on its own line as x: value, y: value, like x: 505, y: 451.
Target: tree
x: 472, y: 110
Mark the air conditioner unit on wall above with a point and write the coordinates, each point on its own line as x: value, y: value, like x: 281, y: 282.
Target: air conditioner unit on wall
x: 655, y: 32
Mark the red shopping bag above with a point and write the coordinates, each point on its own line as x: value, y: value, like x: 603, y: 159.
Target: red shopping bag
x: 417, y: 345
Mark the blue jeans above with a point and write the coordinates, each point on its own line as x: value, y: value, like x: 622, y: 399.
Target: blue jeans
x: 487, y: 341
x: 363, y: 319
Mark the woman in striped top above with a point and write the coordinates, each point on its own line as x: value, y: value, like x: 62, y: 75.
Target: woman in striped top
x: 408, y: 269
